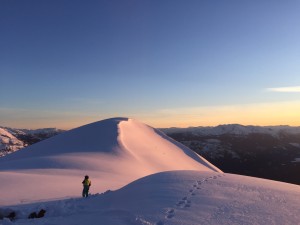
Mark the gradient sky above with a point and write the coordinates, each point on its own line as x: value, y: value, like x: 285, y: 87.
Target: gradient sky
x: 164, y: 62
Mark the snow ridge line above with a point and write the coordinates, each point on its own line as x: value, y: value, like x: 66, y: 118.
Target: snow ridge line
x: 185, y: 202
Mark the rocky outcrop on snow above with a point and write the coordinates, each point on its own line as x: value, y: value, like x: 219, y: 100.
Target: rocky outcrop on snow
x: 9, y: 143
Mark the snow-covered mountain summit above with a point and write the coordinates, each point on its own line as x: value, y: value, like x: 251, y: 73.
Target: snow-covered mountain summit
x: 113, y: 152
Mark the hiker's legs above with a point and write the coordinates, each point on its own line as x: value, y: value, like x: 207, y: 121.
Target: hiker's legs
x: 85, y: 191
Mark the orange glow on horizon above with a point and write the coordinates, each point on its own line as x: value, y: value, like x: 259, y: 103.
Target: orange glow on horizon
x: 262, y: 114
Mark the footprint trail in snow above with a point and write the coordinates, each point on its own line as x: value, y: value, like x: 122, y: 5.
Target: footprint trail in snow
x: 186, y: 201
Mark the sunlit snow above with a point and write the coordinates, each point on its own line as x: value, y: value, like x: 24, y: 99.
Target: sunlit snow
x: 139, y: 177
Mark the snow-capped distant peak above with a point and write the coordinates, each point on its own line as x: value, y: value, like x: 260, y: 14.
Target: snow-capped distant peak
x: 8, y: 142
x: 235, y: 129
x: 5, y: 133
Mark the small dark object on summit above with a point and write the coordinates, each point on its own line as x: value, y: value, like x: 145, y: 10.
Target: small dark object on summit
x: 37, y: 215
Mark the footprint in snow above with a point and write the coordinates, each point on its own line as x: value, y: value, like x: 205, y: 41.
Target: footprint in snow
x: 184, y: 203
x: 202, y: 181
x: 180, y: 203
x: 170, y: 213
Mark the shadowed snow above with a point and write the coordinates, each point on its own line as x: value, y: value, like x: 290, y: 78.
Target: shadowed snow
x: 178, y: 198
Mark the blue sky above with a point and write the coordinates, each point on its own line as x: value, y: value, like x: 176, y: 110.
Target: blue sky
x: 166, y: 63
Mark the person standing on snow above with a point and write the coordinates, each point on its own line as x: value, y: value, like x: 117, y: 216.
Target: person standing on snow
x: 86, y: 186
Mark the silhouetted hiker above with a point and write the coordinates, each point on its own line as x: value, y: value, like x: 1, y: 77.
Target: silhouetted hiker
x: 86, y: 186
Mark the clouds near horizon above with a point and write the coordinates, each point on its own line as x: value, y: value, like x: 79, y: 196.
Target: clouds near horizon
x: 291, y: 89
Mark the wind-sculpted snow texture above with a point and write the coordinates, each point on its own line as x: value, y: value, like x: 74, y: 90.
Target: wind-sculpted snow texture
x: 112, y: 152
x: 177, y: 198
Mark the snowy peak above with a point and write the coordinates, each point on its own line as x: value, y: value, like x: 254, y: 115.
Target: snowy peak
x: 117, y: 138
x: 98, y: 137
x: 113, y: 152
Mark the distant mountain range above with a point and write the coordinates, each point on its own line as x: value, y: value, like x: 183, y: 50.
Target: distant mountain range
x: 12, y: 139
x: 235, y: 129
x: 271, y: 152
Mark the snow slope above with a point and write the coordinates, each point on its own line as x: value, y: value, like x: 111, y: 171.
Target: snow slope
x: 113, y: 152
x: 177, y: 198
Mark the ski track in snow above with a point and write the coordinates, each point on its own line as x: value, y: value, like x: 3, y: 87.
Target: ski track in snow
x: 186, y: 201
